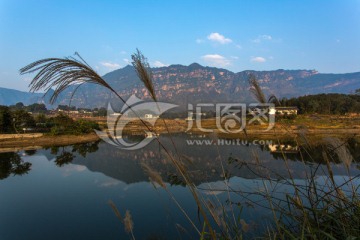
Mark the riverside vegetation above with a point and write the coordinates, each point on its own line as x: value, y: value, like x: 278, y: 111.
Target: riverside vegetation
x: 324, y: 208
x: 19, y: 120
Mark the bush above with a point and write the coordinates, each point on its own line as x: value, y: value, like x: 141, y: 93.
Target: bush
x: 65, y: 125
x: 84, y: 126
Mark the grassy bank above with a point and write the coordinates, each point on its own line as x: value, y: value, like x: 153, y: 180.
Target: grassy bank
x: 35, y: 140
x: 316, y: 125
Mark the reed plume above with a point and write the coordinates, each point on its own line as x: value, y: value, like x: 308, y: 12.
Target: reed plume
x: 256, y: 89
x: 258, y: 93
x: 274, y: 99
x: 143, y: 71
x: 60, y: 73
x: 154, y: 176
x: 128, y: 222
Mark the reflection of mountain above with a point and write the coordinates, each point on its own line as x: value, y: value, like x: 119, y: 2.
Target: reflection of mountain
x: 202, y: 162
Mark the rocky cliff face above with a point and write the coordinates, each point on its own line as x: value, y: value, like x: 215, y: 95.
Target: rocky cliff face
x: 195, y: 83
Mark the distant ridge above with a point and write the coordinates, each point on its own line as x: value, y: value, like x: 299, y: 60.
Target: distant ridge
x: 195, y: 83
x: 12, y: 96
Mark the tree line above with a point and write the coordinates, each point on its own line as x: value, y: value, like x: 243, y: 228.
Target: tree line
x: 331, y: 103
x: 41, y: 108
x: 18, y: 120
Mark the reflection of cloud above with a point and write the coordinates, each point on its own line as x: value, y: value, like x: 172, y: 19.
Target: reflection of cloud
x: 214, y: 188
x: 110, y: 183
x: 70, y: 168
x: 216, y: 60
x: 212, y: 193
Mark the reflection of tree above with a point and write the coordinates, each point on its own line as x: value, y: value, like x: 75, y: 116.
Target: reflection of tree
x: 54, y: 150
x: 85, y: 148
x: 30, y: 152
x: 67, y: 156
x: 11, y: 163
x: 64, y: 158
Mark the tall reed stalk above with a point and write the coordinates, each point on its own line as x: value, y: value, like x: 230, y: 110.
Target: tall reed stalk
x: 61, y: 73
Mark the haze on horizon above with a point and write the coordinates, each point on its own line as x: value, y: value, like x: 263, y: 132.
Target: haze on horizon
x: 235, y: 35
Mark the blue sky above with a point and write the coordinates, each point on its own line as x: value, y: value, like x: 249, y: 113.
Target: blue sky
x: 236, y: 35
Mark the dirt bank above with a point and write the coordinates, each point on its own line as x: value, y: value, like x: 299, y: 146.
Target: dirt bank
x: 38, y: 140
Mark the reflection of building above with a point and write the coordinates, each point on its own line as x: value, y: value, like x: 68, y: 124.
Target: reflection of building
x: 283, y: 148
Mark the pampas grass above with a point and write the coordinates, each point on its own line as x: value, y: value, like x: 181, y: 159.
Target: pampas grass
x: 256, y: 90
x: 60, y: 73
x: 127, y: 220
x: 143, y: 71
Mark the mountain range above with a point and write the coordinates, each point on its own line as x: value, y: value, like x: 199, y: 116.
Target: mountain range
x: 181, y: 84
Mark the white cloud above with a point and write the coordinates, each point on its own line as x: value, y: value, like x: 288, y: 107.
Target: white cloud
x: 238, y: 46
x: 159, y: 64
x: 262, y: 38
x: 258, y: 59
x: 234, y: 57
x: 199, y: 40
x: 266, y: 37
x: 27, y: 79
x: 110, y: 65
x: 127, y: 61
x: 216, y: 60
x: 217, y: 37
x: 123, y: 52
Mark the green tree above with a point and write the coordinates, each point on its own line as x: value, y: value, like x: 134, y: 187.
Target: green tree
x: 41, y: 118
x: 5, y: 120
x: 100, y: 112
x: 37, y: 108
x: 19, y: 105
x: 22, y: 119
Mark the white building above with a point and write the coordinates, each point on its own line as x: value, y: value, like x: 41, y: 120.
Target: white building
x: 150, y: 116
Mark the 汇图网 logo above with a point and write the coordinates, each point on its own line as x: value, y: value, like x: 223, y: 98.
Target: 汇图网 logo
x: 134, y: 108
x: 229, y: 118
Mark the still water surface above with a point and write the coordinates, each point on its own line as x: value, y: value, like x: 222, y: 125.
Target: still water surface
x: 63, y: 192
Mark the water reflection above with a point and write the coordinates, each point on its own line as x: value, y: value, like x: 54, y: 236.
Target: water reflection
x: 206, y: 163
x: 11, y: 163
x: 62, y: 183
x: 65, y: 156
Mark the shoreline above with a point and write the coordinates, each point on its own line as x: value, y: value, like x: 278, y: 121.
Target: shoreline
x: 27, y: 141
x: 30, y: 141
